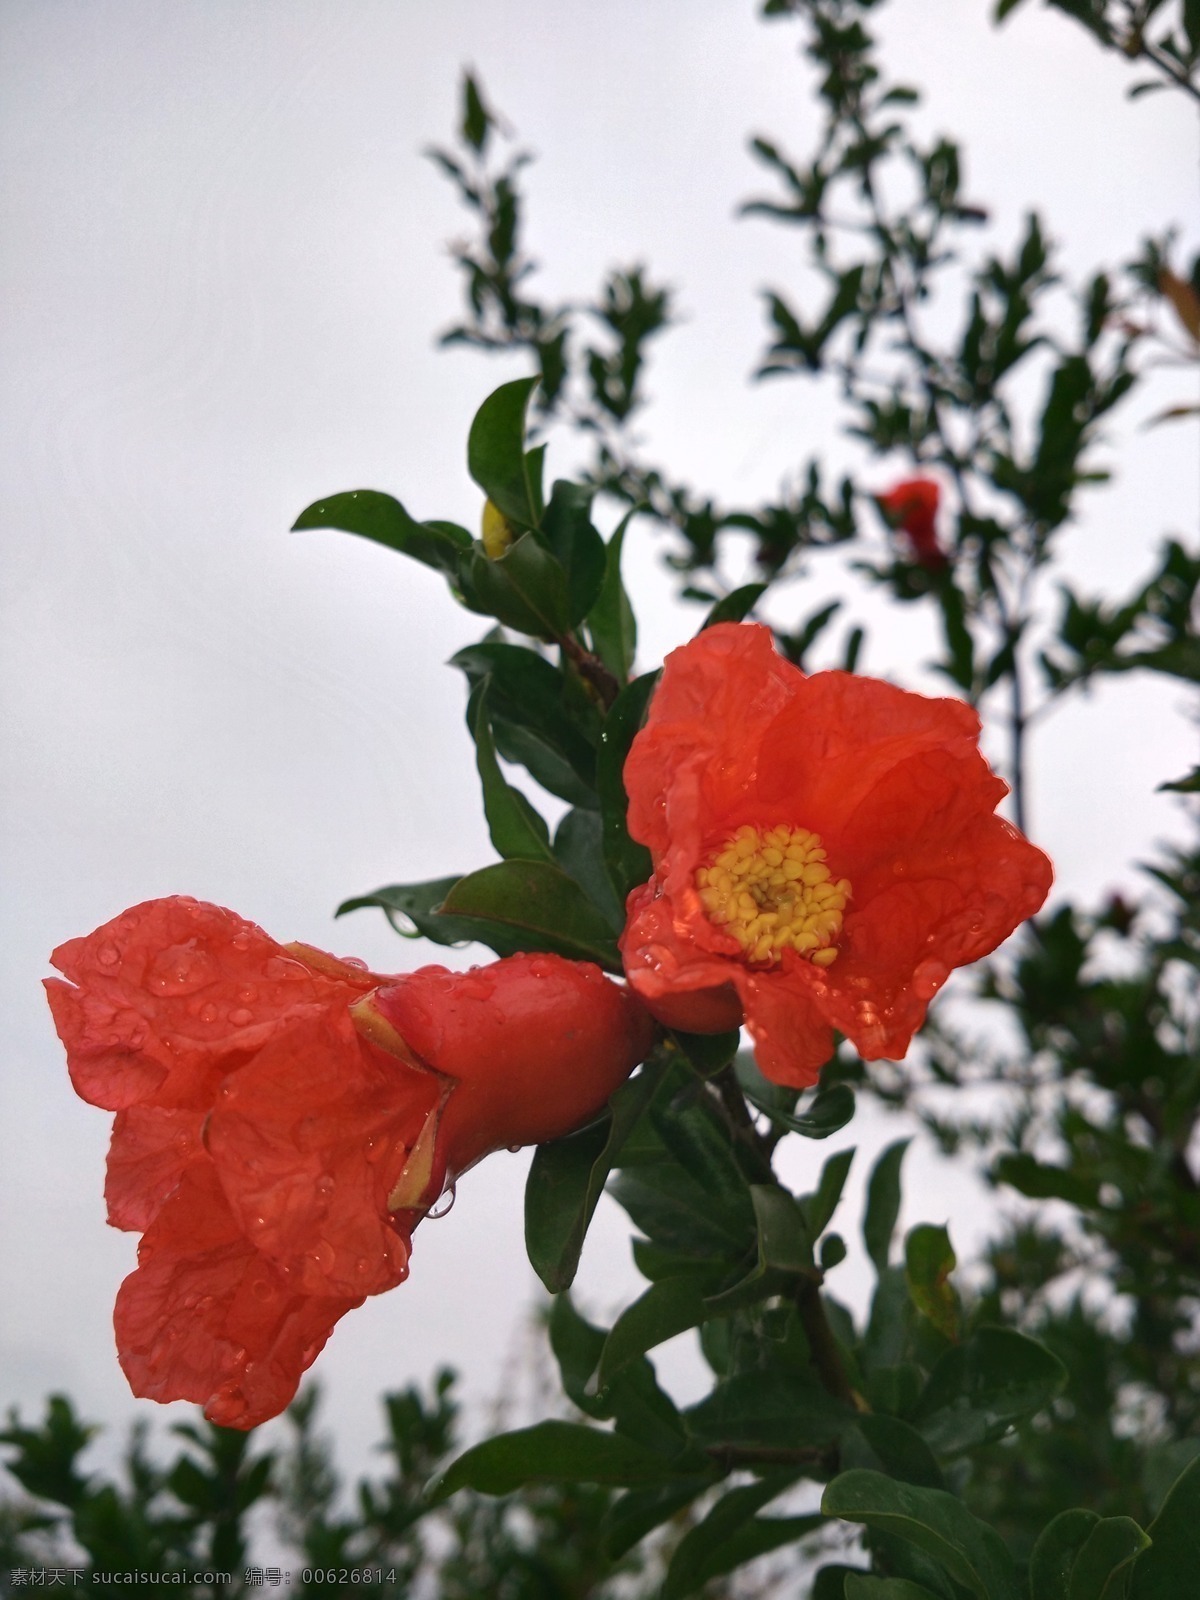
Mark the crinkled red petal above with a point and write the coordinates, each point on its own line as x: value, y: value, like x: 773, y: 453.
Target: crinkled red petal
x: 206, y: 1318
x: 151, y: 1147
x: 172, y: 995
x: 308, y: 1140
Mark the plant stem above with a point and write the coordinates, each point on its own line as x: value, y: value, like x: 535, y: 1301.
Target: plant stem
x: 827, y: 1358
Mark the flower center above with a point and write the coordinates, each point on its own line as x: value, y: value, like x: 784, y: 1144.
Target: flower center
x: 771, y: 890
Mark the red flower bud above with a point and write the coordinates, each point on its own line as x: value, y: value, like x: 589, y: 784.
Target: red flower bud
x: 285, y: 1120
x: 912, y: 508
x: 825, y: 851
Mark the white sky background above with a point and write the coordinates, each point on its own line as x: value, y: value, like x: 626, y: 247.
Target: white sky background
x: 222, y: 271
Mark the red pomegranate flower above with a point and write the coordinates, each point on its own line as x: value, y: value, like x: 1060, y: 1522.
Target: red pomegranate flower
x: 285, y: 1119
x: 825, y: 852
x: 912, y: 507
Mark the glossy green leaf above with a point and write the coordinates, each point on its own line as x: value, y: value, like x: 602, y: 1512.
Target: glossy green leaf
x: 635, y: 1514
x: 1169, y: 1568
x: 929, y: 1261
x: 551, y: 1452
x: 819, y: 1207
x: 735, y: 606
x: 567, y: 1178
x: 1053, y: 1557
x: 414, y: 911
x: 516, y: 829
x: 675, y: 1211
x: 525, y: 588
x: 899, y: 1450
x: 865, y: 1587
x: 667, y: 1308
x: 935, y: 1522
x: 611, y: 621
x: 496, y: 451
x: 1102, y: 1568
x: 785, y: 1240
x: 532, y: 722
x: 828, y: 1111
x: 628, y: 862
x: 769, y: 1409
x: 384, y: 520
x: 883, y: 1203
x: 578, y: 849
x: 708, y: 1551
x: 980, y: 1387
x: 539, y: 903
x: 568, y: 532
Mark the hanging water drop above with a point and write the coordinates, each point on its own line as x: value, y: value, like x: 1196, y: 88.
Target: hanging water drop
x: 442, y: 1205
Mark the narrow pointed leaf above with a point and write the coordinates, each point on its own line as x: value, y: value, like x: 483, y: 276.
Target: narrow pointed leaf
x: 384, y: 521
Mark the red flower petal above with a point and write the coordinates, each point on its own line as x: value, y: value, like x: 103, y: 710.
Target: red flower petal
x: 903, y: 802
x: 172, y: 995
x: 308, y: 1142
x: 151, y: 1146
x: 206, y: 1318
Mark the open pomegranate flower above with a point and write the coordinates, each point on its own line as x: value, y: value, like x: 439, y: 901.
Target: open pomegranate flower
x: 285, y: 1119
x: 825, y: 851
x: 912, y: 508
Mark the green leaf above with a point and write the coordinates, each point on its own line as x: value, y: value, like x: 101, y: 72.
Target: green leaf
x: 632, y: 1516
x: 734, y: 607
x: 1102, y: 1567
x: 579, y: 851
x: 575, y: 545
x: 669, y: 1307
x: 413, y: 909
x: 899, y: 1450
x: 476, y: 120
x: 611, y: 621
x: 1188, y: 785
x: 980, y: 1387
x: 883, y: 1204
x: 779, y: 1410
x: 1058, y: 1544
x: 383, y: 520
x: 676, y: 1212
x: 551, y: 1452
x: 538, y: 902
x: 1168, y: 1569
x: 829, y: 1110
x: 819, y: 1208
x: 525, y: 588
x: 628, y: 862
x: 865, y: 1587
x: 516, y: 829
x: 698, y: 1556
x: 936, y: 1522
x: 784, y: 1239
x: 929, y: 1261
x: 496, y: 451
x: 567, y: 1178
x: 531, y: 721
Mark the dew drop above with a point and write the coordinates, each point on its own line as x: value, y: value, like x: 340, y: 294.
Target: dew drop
x: 514, y: 1149
x: 180, y: 969
x: 323, y: 1256
x: 248, y: 993
x: 108, y: 955
x: 308, y: 1355
x: 442, y: 1205
x: 205, y: 1303
x: 262, y: 1290
x: 929, y: 978
x: 208, y: 1013
x: 241, y: 1017
x: 325, y: 1186
x: 361, y: 1265
x: 240, y: 941
x: 374, y: 1147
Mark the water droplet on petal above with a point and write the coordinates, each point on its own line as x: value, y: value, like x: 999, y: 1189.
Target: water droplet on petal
x: 322, y: 1256
x: 442, y: 1205
x: 108, y: 955
x: 208, y: 1013
x: 240, y: 941
x: 929, y: 978
x: 308, y: 1355
x: 180, y: 969
x: 241, y: 1017
x: 374, y: 1148
x: 325, y: 1186
x: 248, y: 992
x: 262, y: 1289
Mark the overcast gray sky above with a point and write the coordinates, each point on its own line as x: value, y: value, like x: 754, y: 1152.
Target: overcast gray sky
x: 222, y: 272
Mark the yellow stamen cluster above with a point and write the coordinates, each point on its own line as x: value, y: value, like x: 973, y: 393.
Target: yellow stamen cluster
x: 771, y: 890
